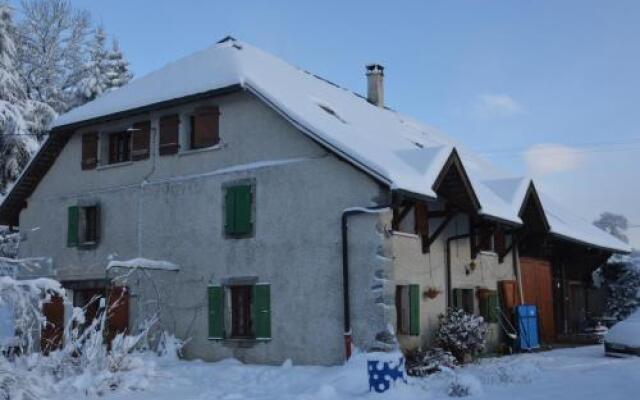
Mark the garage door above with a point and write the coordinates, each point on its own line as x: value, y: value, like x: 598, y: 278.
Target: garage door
x: 538, y: 290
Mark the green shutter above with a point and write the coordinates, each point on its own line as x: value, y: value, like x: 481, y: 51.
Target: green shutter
x: 216, y: 312
x: 72, y: 227
x: 414, y: 310
x: 238, y: 206
x: 261, y: 311
x: 243, y: 210
x: 493, y: 305
x: 457, y: 299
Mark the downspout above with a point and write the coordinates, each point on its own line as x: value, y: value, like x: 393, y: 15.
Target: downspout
x: 448, y: 266
x: 345, y: 268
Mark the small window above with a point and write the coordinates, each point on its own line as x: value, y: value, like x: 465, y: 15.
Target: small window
x: 463, y: 299
x: 169, y: 133
x: 484, y: 239
x: 240, y: 312
x: 204, y: 127
x: 89, y: 150
x: 119, y: 147
x: 83, y: 226
x: 408, y: 309
x: 238, y: 211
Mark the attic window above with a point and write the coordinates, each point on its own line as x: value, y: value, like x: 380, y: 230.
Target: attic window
x: 327, y: 108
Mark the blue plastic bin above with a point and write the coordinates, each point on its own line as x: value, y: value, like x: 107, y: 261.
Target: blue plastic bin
x: 527, y: 322
x: 385, y: 370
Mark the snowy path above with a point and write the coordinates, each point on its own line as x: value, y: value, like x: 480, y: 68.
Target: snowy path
x: 582, y: 373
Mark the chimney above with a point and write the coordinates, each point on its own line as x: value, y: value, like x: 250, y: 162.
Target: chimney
x: 375, y: 84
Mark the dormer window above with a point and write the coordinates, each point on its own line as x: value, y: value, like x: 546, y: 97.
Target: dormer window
x: 119, y: 147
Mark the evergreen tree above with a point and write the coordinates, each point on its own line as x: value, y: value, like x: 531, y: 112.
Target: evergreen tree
x: 118, y: 74
x: 621, y: 278
x: 96, y: 73
x: 16, y: 146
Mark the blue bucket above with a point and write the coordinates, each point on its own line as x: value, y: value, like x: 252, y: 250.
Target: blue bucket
x: 385, y: 370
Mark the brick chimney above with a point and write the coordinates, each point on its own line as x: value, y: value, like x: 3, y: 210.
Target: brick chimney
x: 375, y: 84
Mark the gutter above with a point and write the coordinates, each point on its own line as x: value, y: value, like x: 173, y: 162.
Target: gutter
x: 345, y: 268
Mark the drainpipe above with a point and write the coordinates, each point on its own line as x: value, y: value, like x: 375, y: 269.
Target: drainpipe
x: 448, y: 251
x: 345, y: 268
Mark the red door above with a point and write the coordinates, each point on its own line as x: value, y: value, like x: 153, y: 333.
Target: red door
x: 118, y: 312
x: 51, y: 334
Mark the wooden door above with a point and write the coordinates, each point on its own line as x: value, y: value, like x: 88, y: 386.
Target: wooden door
x: 577, y: 307
x: 51, y: 334
x: 537, y: 285
x: 118, y: 312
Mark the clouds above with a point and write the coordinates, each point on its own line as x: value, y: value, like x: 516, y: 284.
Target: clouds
x: 548, y: 158
x: 496, y: 105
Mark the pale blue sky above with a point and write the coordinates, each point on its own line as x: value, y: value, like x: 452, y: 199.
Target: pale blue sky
x: 493, y: 74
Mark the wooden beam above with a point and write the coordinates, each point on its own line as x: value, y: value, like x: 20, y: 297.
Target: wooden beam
x: 427, y: 242
x: 399, y: 216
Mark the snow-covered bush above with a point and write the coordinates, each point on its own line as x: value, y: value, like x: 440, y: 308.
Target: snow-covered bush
x: 464, y: 385
x: 85, y: 364
x: 425, y: 362
x: 462, y: 334
x: 620, y: 278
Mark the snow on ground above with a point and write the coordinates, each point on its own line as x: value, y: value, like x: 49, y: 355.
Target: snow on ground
x: 580, y: 373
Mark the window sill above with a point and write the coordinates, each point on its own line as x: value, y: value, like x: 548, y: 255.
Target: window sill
x: 488, y: 253
x: 240, y: 341
x: 188, y: 152
x: 114, y: 165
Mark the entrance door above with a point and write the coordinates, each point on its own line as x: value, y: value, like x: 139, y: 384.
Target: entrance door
x: 537, y: 287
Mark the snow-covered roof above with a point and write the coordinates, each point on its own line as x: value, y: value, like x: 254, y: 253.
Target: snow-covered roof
x: 406, y: 154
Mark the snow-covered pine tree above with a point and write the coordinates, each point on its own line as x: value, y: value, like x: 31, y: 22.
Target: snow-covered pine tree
x: 118, y: 74
x: 621, y: 279
x: 52, y: 51
x: 95, y: 80
x: 16, y: 145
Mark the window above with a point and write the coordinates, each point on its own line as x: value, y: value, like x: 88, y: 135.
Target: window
x: 141, y: 132
x: 83, y: 226
x: 238, y: 211
x: 119, y: 147
x: 489, y: 305
x: 240, y: 312
x: 204, y: 127
x: 463, y: 299
x: 169, y: 129
x: 89, y: 150
x: 408, y: 309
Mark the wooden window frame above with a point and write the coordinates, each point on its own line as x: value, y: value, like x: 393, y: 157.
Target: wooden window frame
x: 169, y: 134
x: 141, y: 140
x: 408, y: 309
x: 83, y: 226
x: 90, y: 146
x: 240, y: 307
x: 204, y: 128
x: 467, y: 300
x: 240, y: 311
x: 119, y: 147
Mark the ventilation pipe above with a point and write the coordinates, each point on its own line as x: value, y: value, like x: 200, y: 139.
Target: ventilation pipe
x: 375, y: 84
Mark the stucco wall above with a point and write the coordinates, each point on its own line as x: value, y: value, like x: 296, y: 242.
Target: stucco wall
x: 176, y: 215
x: 411, y: 266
